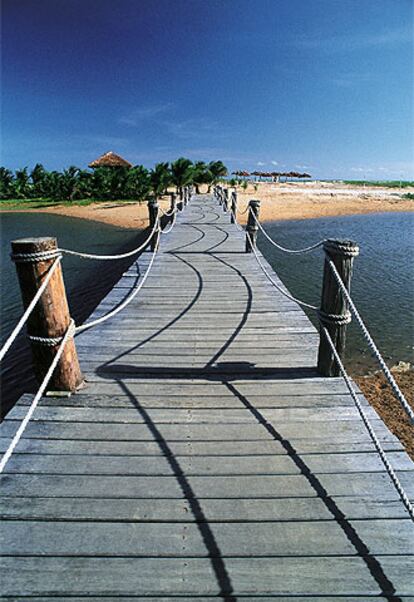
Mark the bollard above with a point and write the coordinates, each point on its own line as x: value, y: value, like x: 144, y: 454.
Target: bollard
x: 334, y: 313
x: 50, y: 317
x: 220, y: 194
x: 225, y: 199
x: 252, y: 227
x: 233, y: 207
x: 153, y: 212
x: 173, y: 202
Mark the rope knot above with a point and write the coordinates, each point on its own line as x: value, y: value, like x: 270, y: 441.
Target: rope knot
x: 341, y: 247
x: 53, y: 341
x: 35, y: 257
x: 337, y: 319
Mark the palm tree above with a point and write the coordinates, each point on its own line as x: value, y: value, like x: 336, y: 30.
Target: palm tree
x: 201, y: 175
x: 69, y: 182
x: 182, y: 174
x: 137, y: 183
x: 22, y: 183
x: 38, y: 176
x: 218, y: 170
x: 6, y: 183
x: 160, y: 179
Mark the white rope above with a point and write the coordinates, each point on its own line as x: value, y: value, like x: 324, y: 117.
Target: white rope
x: 170, y: 226
x: 285, y: 249
x: 33, y: 405
x: 170, y: 212
x: 245, y: 210
x: 275, y: 284
x: 123, y: 304
x: 404, y: 497
x: 371, y: 343
x: 29, y: 309
x: 119, y: 256
x: 238, y: 226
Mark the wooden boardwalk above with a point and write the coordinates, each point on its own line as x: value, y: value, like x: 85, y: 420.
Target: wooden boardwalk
x: 206, y: 458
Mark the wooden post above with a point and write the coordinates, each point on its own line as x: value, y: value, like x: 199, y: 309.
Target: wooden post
x: 173, y: 202
x: 225, y: 199
x: 153, y: 212
x: 233, y: 207
x: 252, y: 227
x: 334, y: 313
x: 50, y: 317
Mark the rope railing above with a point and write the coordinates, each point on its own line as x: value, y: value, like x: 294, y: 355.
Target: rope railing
x: 397, y: 484
x: 135, y: 251
x: 13, y: 335
x: 8, y: 453
x: 285, y: 249
x: 72, y: 330
x: 120, y: 307
x: 338, y: 319
x: 57, y: 255
x: 371, y: 343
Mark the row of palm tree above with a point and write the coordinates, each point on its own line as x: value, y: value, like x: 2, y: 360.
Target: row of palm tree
x: 106, y: 183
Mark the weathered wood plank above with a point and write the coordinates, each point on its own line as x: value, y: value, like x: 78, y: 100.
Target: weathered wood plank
x: 192, y: 576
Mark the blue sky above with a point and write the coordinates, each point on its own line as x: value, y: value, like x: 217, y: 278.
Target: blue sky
x: 324, y: 86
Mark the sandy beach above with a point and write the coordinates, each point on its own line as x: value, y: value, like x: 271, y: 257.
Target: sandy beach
x: 284, y: 201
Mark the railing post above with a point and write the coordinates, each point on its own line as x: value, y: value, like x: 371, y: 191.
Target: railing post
x: 252, y: 227
x: 50, y: 317
x: 225, y: 199
x: 233, y: 207
x: 334, y: 313
x: 153, y: 212
x: 220, y: 194
x: 173, y: 202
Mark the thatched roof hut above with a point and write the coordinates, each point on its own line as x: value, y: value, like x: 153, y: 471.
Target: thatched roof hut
x: 110, y: 160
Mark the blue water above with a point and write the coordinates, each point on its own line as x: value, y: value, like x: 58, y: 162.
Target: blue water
x: 382, y: 284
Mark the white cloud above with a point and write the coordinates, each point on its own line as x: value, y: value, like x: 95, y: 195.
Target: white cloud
x: 362, y: 169
x: 274, y: 162
x: 260, y: 164
x: 136, y: 116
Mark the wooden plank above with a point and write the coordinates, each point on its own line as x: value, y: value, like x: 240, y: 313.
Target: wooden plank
x: 192, y: 576
x: 375, y: 485
x: 250, y: 540
x: 201, y: 465
x: 213, y: 510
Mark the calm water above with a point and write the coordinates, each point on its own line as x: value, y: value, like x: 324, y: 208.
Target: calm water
x: 87, y: 281
x: 383, y: 281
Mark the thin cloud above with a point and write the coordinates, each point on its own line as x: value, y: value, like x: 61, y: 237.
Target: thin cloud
x: 260, y: 164
x: 136, y: 116
x: 355, y: 41
x: 274, y: 162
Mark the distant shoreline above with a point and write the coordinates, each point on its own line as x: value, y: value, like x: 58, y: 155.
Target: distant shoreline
x: 297, y: 201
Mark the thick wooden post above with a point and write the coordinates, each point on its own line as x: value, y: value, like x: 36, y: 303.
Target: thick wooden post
x: 173, y: 202
x: 225, y: 199
x: 252, y: 227
x: 50, y: 318
x: 153, y: 212
x: 233, y: 207
x: 334, y: 313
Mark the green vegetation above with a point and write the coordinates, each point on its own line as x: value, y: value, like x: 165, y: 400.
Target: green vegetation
x: 40, y: 187
x: 409, y: 196
x: 384, y: 183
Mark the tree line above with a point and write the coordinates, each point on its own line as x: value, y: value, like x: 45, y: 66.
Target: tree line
x: 108, y: 183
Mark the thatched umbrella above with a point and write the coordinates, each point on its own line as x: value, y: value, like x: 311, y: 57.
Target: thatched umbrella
x: 110, y: 160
